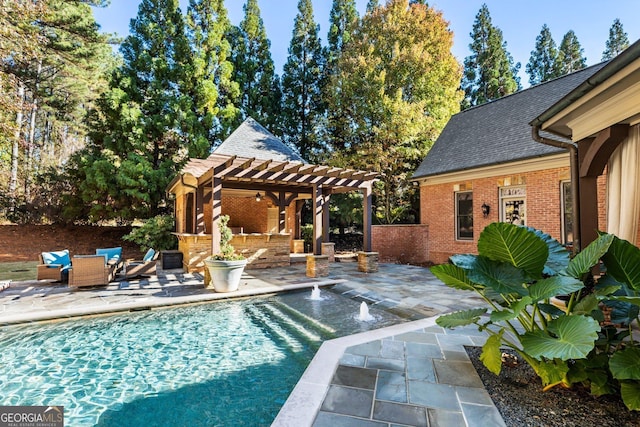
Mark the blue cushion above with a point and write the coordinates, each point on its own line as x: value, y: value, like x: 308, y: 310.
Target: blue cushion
x: 149, y: 255
x: 110, y: 254
x: 59, y: 258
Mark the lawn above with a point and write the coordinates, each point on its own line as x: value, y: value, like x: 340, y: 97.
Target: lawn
x: 22, y: 270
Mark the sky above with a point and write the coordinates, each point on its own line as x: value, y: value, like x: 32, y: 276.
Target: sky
x: 520, y: 22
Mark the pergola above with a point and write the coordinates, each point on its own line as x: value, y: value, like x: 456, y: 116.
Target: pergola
x: 281, y: 181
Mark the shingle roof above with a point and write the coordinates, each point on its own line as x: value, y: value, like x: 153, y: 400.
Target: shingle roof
x: 498, y: 132
x: 251, y: 139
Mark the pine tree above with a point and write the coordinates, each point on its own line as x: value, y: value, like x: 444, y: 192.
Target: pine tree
x: 302, y: 105
x: 543, y: 63
x: 342, y: 24
x: 372, y: 5
x: 207, y: 81
x: 137, y: 141
x: 489, y: 72
x: 55, y: 63
x: 617, y: 41
x: 570, y: 55
x: 343, y: 20
x: 254, y: 71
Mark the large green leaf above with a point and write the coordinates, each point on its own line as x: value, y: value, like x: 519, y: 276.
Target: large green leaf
x: 630, y: 392
x: 499, y: 276
x: 512, y: 311
x: 623, y: 262
x: 586, y: 305
x: 558, y: 255
x: 453, y: 276
x: 504, y: 242
x: 581, y: 264
x: 553, y: 286
x: 466, y: 261
x: 625, y: 364
x: 552, y: 372
x: 460, y: 318
x: 491, y: 355
x: 574, y: 338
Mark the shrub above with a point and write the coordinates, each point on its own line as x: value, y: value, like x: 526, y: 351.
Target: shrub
x: 517, y: 271
x: 155, y: 233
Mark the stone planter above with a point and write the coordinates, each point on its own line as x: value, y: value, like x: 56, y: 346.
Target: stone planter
x: 317, y: 265
x: 225, y: 275
x: 368, y: 262
x: 328, y: 249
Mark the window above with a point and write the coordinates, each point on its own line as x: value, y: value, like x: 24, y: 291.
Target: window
x: 464, y: 215
x: 512, y: 205
x: 567, y: 212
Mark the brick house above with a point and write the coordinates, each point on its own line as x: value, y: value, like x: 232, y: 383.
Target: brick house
x: 486, y: 167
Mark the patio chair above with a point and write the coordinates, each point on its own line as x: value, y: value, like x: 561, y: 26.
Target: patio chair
x: 90, y: 270
x: 54, y: 266
x: 112, y: 256
x: 146, y: 267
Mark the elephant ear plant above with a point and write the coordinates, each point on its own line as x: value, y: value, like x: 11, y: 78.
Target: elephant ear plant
x: 517, y: 271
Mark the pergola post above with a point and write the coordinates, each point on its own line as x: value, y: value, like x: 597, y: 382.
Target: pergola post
x: 216, y: 212
x: 325, y: 216
x: 317, y: 219
x: 366, y: 218
x: 282, y: 212
x: 200, y: 228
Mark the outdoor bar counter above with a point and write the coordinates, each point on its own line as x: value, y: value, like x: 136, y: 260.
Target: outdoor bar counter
x: 262, y: 250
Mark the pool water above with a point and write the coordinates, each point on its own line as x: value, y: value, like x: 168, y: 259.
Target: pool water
x: 220, y: 364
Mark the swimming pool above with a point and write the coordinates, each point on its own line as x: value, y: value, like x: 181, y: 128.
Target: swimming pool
x: 224, y: 363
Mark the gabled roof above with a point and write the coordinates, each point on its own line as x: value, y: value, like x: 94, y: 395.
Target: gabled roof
x: 498, y: 132
x: 251, y: 139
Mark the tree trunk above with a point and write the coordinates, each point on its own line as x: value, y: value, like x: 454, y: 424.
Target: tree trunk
x: 15, y: 149
x: 32, y: 136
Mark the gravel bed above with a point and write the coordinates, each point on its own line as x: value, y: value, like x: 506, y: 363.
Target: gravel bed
x: 517, y: 393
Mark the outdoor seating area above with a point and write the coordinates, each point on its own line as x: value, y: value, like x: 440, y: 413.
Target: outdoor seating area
x: 91, y: 270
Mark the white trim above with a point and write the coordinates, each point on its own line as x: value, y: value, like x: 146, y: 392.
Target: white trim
x: 554, y: 161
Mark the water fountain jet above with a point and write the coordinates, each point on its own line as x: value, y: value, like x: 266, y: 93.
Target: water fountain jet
x: 364, y: 313
x: 315, y: 293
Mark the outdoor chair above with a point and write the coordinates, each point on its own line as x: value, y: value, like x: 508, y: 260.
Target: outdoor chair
x: 54, y: 266
x: 146, y: 267
x: 90, y: 270
x: 112, y: 256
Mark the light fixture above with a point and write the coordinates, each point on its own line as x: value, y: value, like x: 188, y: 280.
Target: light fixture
x: 485, y: 210
x: 258, y: 197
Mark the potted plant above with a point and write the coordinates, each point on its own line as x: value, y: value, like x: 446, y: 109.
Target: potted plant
x: 226, y: 267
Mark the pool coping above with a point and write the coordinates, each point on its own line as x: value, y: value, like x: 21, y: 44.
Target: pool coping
x: 148, y: 303
x: 304, y: 402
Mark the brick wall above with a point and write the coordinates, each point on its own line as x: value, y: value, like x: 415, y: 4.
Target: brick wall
x: 401, y: 243
x: 245, y: 212
x: 543, y: 201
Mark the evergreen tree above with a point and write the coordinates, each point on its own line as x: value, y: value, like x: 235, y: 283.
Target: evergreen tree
x: 372, y: 5
x: 342, y: 24
x: 489, y: 72
x: 397, y: 86
x: 543, y: 63
x: 617, y: 41
x: 343, y: 20
x: 137, y: 139
x: 254, y: 71
x: 55, y: 64
x: 570, y: 55
x: 207, y: 82
x: 302, y: 105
